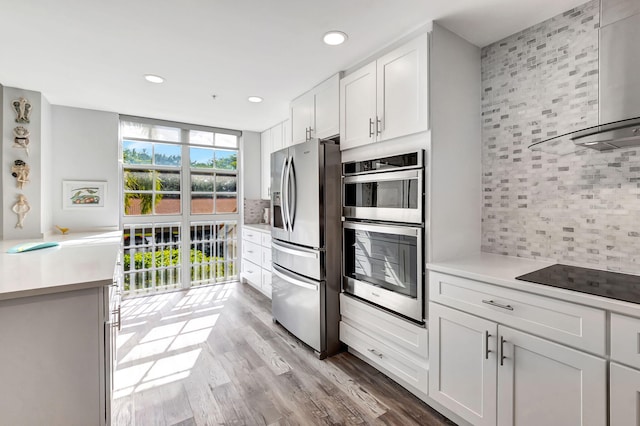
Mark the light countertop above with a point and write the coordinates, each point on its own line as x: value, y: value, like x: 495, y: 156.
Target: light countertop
x: 82, y: 260
x: 502, y: 270
x: 260, y: 227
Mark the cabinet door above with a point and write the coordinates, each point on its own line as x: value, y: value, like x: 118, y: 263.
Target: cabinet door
x: 265, y: 164
x: 402, y: 93
x: 624, y: 396
x: 277, y: 134
x: 302, y: 112
x: 544, y: 383
x: 327, y: 113
x: 462, y: 354
x: 358, y: 107
x: 286, y: 133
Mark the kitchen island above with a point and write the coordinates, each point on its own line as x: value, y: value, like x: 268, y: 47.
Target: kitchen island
x: 56, y: 330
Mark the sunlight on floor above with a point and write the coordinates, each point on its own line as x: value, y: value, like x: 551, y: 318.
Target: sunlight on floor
x: 149, y: 358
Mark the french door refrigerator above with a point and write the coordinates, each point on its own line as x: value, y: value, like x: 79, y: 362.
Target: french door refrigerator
x: 306, y: 245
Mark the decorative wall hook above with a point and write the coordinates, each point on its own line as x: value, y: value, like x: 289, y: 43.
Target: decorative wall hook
x: 21, y: 208
x: 20, y: 170
x: 21, y: 139
x: 23, y: 108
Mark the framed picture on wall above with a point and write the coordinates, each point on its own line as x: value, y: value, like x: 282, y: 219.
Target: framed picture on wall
x: 80, y: 194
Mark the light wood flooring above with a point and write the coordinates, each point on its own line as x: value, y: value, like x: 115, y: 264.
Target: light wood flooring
x: 213, y: 356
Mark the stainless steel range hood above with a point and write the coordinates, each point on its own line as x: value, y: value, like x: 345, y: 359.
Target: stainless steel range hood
x: 619, y: 81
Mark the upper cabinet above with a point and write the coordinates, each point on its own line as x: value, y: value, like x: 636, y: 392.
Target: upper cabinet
x: 387, y: 98
x: 265, y: 164
x: 315, y: 114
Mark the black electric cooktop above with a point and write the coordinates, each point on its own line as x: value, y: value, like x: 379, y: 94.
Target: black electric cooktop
x: 591, y: 281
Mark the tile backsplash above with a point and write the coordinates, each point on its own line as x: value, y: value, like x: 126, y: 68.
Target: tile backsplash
x: 579, y: 208
x: 254, y: 210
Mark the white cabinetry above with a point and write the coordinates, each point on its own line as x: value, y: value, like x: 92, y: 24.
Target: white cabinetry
x: 536, y: 381
x: 624, y: 391
x: 56, y: 358
x: 256, y: 258
x: 624, y: 395
x: 273, y: 139
x: 315, y: 114
x: 265, y: 164
x: 387, y: 98
x: 395, y: 346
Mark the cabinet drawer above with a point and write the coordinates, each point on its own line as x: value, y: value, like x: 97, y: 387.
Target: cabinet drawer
x: 251, y: 272
x: 568, y: 323
x: 252, y: 252
x: 266, y: 258
x: 625, y: 340
x: 400, y: 367
x: 251, y: 235
x: 266, y: 240
x: 266, y: 282
x: 391, y: 330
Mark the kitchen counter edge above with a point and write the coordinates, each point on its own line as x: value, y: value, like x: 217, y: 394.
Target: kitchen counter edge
x: 502, y: 270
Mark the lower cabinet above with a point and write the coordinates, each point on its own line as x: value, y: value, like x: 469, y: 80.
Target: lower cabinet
x: 393, y: 345
x: 491, y: 374
x: 256, y: 259
x: 624, y: 395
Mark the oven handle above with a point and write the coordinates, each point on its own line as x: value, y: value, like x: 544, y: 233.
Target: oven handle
x: 384, y: 177
x: 411, y: 231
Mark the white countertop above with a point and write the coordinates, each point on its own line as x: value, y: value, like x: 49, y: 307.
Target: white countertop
x: 502, y: 270
x: 83, y: 260
x: 260, y: 227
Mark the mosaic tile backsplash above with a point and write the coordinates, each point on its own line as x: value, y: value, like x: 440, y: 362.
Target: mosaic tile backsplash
x: 254, y: 210
x: 580, y: 208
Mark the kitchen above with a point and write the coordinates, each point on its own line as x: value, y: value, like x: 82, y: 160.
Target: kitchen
x: 485, y: 189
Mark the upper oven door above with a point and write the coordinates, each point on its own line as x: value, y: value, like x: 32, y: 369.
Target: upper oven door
x: 390, y: 196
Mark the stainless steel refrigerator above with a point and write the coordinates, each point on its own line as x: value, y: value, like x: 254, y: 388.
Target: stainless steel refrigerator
x: 306, y: 246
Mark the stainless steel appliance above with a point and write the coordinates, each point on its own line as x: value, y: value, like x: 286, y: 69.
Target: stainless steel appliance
x: 383, y: 232
x: 305, y: 230
x: 389, y: 188
x: 382, y: 235
x: 618, y: 81
x: 383, y: 265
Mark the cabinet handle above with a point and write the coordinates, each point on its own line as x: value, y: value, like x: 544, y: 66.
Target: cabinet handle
x: 378, y: 126
x: 502, y: 357
x: 498, y: 305
x: 370, y: 128
x: 486, y: 344
x: 376, y: 353
x: 118, y: 312
x: 310, y: 132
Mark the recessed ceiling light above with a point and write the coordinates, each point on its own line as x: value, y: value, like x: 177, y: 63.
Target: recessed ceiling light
x: 254, y: 99
x: 334, y: 38
x: 151, y: 78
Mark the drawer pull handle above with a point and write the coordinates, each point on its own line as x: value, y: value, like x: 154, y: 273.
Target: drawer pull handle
x: 486, y: 344
x: 498, y: 305
x: 249, y: 251
x: 376, y: 353
x: 502, y: 357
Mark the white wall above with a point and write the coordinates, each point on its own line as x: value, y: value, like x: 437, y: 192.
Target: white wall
x: 46, y: 165
x: 33, y: 190
x: 251, y: 165
x: 85, y: 147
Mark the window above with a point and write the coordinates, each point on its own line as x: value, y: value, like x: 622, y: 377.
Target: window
x: 180, y: 195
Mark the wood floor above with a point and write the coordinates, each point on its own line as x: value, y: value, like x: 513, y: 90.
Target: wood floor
x: 212, y: 356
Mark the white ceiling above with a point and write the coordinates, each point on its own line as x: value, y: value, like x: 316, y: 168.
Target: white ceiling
x: 93, y: 54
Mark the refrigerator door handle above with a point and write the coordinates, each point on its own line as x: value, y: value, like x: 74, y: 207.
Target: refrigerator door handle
x: 284, y: 187
x: 294, y: 189
x: 295, y: 251
x: 280, y: 273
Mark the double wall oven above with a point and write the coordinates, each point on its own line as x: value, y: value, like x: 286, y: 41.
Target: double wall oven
x: 383, y: 232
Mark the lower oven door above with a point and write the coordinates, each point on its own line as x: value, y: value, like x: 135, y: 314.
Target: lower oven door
x: 383, y: 265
